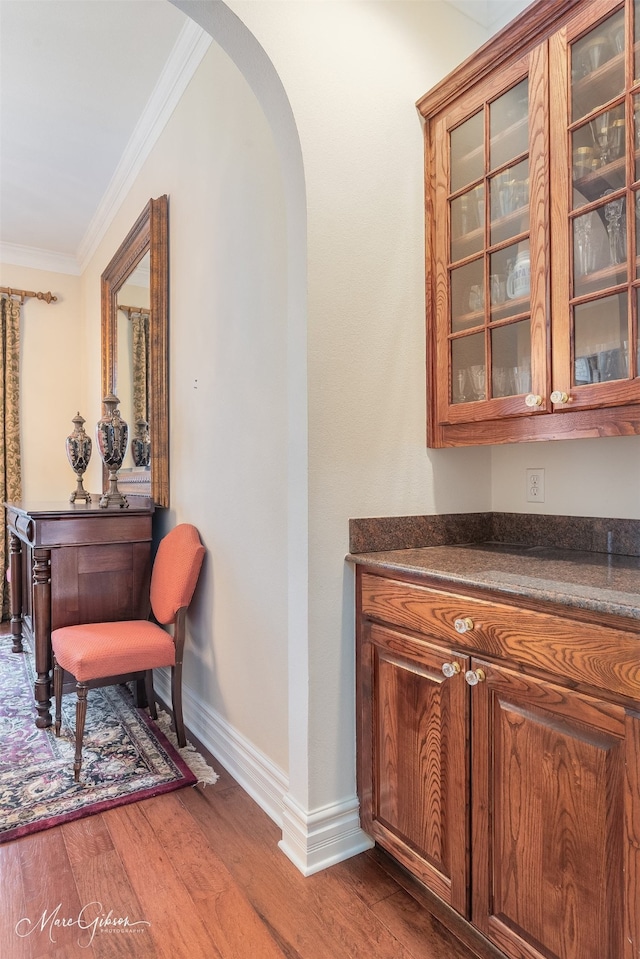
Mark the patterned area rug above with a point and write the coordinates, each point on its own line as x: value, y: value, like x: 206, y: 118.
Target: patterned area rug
x: 126, y: 756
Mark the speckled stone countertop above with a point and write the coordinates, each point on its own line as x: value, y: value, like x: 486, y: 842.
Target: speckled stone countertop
x: 597, y: 581
x: 588, y: 579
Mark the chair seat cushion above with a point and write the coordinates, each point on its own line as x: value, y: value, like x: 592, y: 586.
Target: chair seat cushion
x: 97, y: 650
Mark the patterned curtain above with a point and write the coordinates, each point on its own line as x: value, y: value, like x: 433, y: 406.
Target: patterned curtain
x: 10, y: 471
x: 140, y: 330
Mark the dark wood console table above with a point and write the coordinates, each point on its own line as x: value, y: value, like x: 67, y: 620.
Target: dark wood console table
x: 74, y: 563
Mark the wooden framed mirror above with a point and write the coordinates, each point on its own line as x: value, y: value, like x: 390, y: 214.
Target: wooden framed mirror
x: 135, y: 289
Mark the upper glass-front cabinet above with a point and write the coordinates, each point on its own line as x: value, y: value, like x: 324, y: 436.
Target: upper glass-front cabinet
x: 533, y: 232
x: 493, y: 267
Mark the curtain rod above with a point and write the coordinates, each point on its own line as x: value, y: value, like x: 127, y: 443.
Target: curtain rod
x: 23, y: 294
x: 142, y: 310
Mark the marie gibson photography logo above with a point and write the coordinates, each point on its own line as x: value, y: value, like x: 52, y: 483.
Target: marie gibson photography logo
x: 92, y: 918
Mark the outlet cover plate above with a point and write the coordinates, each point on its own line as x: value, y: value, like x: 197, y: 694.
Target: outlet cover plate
x: 535, y: 485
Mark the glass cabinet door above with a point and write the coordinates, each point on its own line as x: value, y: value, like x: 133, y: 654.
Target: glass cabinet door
x: 491, y: 263
x: 595, y: 304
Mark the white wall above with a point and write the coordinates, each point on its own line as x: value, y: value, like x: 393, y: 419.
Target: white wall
x: 216, y: 161
x: 595, y: 477
x: 352, y: 73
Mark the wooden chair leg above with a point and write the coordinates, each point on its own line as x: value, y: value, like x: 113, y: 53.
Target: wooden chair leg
x: 176, y: 702
x: 57, y: 692
x: 151, y: 697
x: 81, y: 713
x: 140, y: 694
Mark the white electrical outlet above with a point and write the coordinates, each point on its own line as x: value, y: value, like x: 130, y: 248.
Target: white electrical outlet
x: 535, y: 486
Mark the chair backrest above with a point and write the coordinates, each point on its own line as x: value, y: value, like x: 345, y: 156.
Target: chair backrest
x: 175, y: 571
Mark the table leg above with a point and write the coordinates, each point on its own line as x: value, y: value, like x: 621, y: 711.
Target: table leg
x: 15, y: 592
x: 42, y: 631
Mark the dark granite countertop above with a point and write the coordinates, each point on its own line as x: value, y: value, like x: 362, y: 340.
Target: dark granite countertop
x: 602, y: 582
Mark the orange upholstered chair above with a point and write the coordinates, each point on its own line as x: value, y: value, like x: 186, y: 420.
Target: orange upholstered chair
x: 102, y: 654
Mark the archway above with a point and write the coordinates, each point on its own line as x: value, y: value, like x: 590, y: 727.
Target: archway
x: 250, y: 58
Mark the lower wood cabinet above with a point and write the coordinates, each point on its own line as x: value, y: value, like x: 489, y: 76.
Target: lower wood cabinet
x: 415, y: 765
x: 515, y: 799
x: 549, y: 833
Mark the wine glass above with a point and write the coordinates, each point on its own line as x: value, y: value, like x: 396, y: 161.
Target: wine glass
x: 459, y: 395
x: 477, y: 374
x: 602, y: 131
x: 584, y: 245
x: 612, y: 214
x: 502, y: 381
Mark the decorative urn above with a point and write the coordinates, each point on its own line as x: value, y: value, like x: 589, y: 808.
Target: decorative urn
x: 78, y: 446
x: 112, y: 435
x: 141, y: 444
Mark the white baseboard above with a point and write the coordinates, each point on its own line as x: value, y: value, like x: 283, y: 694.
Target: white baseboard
x: 321, y: 838
x: 311, y: 840
x: 262, y: 779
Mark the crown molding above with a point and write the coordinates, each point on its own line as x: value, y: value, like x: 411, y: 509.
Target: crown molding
x: 187, y: 54
x: 37, y: 259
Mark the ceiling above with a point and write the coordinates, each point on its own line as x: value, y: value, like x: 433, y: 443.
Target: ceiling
x: 82, y: 101
x: 492, y: 14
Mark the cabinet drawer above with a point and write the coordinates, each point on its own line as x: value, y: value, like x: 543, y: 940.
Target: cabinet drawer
x: 599, y: 656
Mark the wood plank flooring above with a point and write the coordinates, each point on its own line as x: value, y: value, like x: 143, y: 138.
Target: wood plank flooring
x: 198, y: 874
x: 201, y: 871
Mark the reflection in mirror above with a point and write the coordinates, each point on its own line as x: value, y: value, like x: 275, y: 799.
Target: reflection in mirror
x: 132, y: 385
x: 134, y: 349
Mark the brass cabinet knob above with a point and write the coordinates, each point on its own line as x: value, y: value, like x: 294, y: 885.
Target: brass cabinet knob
x: 559, y: 396
x: 450, y: 669
x: 533, y: 399
x: 474, y: 676
x: 463, y: 625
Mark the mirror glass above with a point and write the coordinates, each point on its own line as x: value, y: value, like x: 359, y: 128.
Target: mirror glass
x: 134, y: 350
x: 132, y: 387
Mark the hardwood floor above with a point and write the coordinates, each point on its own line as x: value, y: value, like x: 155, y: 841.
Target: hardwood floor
x: 201, y: 869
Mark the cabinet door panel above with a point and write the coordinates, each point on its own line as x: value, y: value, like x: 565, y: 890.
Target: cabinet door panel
x: 594, y: 156
x: 420, y: 760
x: 491, y: 243
x: 549, y: 834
